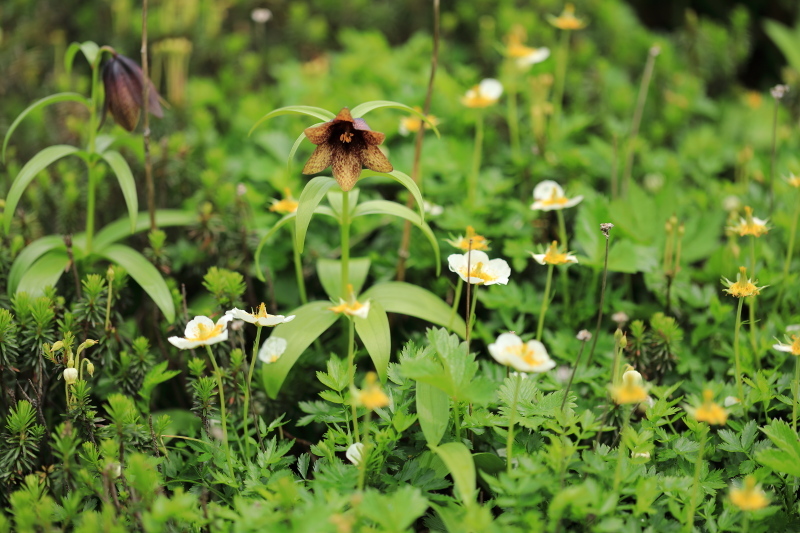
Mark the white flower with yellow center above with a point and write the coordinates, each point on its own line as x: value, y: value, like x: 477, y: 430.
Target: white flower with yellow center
x: 201, y: 331
x: 793, y: 348
x: 260, y: 317
x: 486, y: 93
x: 272, y: 349
x: 549, y: 196
x: 531, y: 356
x: 553, y: 257
x: 476, y: 267
x: 353, y: 308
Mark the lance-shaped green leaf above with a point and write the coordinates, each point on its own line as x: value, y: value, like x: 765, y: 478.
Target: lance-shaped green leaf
x: 404, y: 180
x: 126, y: 183
x: 145, y: 274
x: 336, y: 201
x: 433, y: 410
x: 46, y: 271
x: 459, y: 461
x: 119, y: 229
x: 46, y: 101
x: 37, y: 163
x: 311, y: 321
x: 89, y: 49
x: 28, y: 256
x: 408, y: 299
x: 310, y: 198
x: 385, y: 207
x: 362, y: 109
x: 330, y: 275
x: 318, y: 112
x: 374, y: 333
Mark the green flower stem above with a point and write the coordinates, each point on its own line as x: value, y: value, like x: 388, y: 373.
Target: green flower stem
x: 298, y: 269
x: 512, y: 418
x: 698, y: 468
x: 572, y: 376
x: 622, y: 455
x: 108, y: 302
x: 472, y: 184
x: 246, y: 414
x: 345, y: 243
x: 562, y: 234
x: 751, y: 308
x: 746, y: 522
x: 600, y: 309
x: 772, y: 154
x: 736, y: 356
x: 796, y: 391
x: 457, y: 419
x: 222, y: 413
x: 545, y: 302
x: 91, y: 148
x: 362, y: 464
x: 351, y: 369
x: 456, y: 301
x: 790, y: 250
x: 560, y: 80
x: 512, y: 116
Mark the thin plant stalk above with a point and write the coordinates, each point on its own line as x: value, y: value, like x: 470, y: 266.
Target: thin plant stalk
x: 345, y: 238
x: 456, y: 301
x: 298, y: 269
x: 560, y: 80
x: 644, y: 87
x: 602, y: 299
x: 796, y: 392
x: 512, y: 418
x: 572, y: 376
x: 362, y: 464
x: 751, y: 309
x: 351, y: 369
x: 91, y: 197
x: 772, y: 154
x: 622, y: 451
x: 736, y: 355
x: 110, y: 278
x: 545, y: 302
x: 222, y: 414
x: 148, y: 163
x: 562, y: 234
x: 246, y: 415
x: 790, y: 250
x: 472, y: 184
x: 512, y: 115
x: 698, y: 468
x: 615, y: 168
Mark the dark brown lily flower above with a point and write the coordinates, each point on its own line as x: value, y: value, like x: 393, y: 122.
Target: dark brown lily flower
x: 346, y: 144
x: 122, y: 80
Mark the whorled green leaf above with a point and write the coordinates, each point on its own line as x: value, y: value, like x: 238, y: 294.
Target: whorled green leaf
x: 126, y: 183
x: 318, y: 112
x: 46, y: 271
x: 433, y: 410
x: 119, y: 229
x: 362, y: 109
x: 385, y: 207
x: 311, y: 321
x: 374, y: 333
x: 408, y: 299
x: 145, y: 274
x: 330, y: 275
x: 462, y: 468
x: 46, y: 101
x: 405, y: 181
x: 310, y: 198
x: 336, y: 201
x: 37, y: 163
x: 28, y: 256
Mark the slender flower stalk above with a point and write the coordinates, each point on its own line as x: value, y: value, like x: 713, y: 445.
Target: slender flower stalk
x: 222, y: 412
x: 605, y: 228
x: 698, y: 468
x: 148, y: 163
x: 246, y: 409
x: 345, y: 242
x: 351, y: 369
x: 562, y: 234
x: 623, y: 448
x: 777, y: 92
x: 560, y: 80
x: 793, y: 347
x: 477, y: 153
x: 545, y: 302
x: 583, y: 336
x: 794, y: 181
x: 485, y: 94
x: 551, y: 257
x: 512, y: 418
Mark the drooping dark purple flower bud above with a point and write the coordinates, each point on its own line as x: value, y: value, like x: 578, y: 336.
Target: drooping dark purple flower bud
x: 123, y: 83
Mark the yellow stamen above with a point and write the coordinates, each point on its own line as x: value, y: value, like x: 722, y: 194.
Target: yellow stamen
x: 346, y: 137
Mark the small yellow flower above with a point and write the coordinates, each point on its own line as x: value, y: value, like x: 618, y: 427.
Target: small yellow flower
x: 413, y: 123
x: 372, y: 396
x: 486, y: 93
x: 567, y: 19
x: 351, y: 306
x: 710, y: 411
x: 553, y: 257
x: 632, y: 389
x: 750, y: 225
x: 259, y: 317
x: 479, y: 242
x: 743, y: 287
x: 285, y: 206
x: 753, y: 99
x: 793, y: 348
x: 793, y: 180
x: 749, y: 496
x: 525, y: 56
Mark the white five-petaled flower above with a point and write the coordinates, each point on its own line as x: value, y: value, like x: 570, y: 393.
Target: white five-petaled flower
x: 552, y: 256
x: 549, y: 196
x: 476, y: 267
x: 486, y: 93
x: 272, y: 349
x: 793, y: 347
x: 201, y: 330
x: 529, y: 356
x: 354, y: 453
x: 259, y: 317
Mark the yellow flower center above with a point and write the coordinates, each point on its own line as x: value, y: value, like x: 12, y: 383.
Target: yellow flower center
x: 476, y: 271
x: 555, y: 199
x: 346, y: 137
x: 553, y: 257
x: 287, y: 205
x: 750, y: 497
x: 203, y: 332
x: 795, y: 345
x: 711, y: 412
x: 412, y: 124
x: 477, y: 99
x: 517, y: 50
x: 793, y: 180
x: 524, y: 352
x: 749, y: 225
x: 479, y: 242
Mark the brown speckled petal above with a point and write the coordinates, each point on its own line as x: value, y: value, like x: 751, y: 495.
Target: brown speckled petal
x: 344, y: 115
x: 373, y: 137
x: 346, y: 168
x: 372, y: 158
x: 319, y: 134
x: 319, y: 160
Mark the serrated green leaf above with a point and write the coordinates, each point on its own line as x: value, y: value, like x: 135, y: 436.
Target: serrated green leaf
x: 45, y: 272
x: 311, y: 321
x: 385, y: 207
x: 47, y: 100
x: 462, y: 468
x: 433, y: 410
x: 362, y: 109
x: 395, y: 512
x: 318, y: 112
x: 156, y: 375
x: 145, y: 274
x: 36, y: 164
x: 408, y: 299
x: 28, y: 256
x: 786, y: 459
x: 118, y: 229
x: 310, y: 198
x: 374, y: 333
x: 126, y: 183
x: 329, y: 272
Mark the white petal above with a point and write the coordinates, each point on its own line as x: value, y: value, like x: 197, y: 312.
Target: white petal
x: 544, y: 190
x: 782, y: 347
x: 499, y: 270
x: 537, y: 56
x: 571, y: 259
x: 192, y: 330
x: 500, y: 348
x: 539, y: 258
x: 574, y: 201
x: 491, y: 88
x: 240, y: 314
x: 354, y: 453
x: 272, y: 349
x: 182, y: 343
x: 361, y: 312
